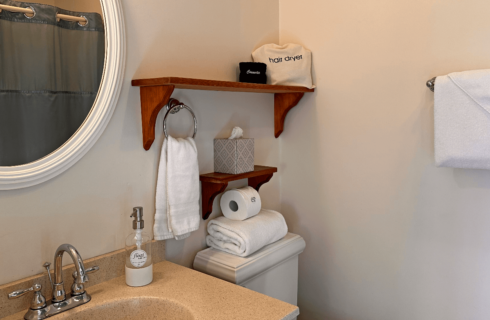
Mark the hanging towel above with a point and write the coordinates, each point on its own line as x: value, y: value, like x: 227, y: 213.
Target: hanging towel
x: 242, y: 238
x: 462, y: 120
x: 177, y: 194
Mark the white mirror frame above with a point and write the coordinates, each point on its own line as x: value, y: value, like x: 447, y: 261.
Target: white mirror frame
x: 89, y: 132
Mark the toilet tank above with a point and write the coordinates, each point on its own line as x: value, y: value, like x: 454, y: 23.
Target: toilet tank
x: 273, y: 270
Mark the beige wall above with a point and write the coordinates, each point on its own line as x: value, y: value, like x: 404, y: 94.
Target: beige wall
x: 75, y: 5
x: 389, y: 235
x: 89, y: 205
x: 79, y: 5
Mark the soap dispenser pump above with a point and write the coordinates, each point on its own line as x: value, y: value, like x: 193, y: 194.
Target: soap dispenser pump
x: 139, y: 267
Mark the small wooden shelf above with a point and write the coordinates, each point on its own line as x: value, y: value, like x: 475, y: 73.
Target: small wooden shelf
x: 155, y: 93
x: 216, y: 85
x: 215, y: 183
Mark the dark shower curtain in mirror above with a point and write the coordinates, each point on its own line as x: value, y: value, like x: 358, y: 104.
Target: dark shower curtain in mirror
x: 50, y: 73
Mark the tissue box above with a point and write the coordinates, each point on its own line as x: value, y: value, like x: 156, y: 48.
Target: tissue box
x: 233, y: 155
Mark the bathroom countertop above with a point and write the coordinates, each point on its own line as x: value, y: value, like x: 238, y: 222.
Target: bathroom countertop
x: 204, y: 297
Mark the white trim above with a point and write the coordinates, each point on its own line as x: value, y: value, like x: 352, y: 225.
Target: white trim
x: 74, y: 149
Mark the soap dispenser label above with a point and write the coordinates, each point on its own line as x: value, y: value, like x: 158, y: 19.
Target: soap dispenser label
x: 138, y: 258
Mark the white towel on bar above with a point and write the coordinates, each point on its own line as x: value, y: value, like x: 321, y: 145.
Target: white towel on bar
x: 462, y: 120
x: 177, y: 194
x: 242, y: 238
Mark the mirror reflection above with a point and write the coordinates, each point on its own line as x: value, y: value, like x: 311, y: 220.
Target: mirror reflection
x: 51, y: 64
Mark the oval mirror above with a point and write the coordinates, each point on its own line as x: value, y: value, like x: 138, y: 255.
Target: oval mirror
x: 61, y: 65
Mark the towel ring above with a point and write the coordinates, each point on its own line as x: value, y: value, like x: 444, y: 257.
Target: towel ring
x: 173, y: 106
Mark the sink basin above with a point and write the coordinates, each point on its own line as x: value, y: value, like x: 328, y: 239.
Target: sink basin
x: 135, y: 308
x: 175, y: 293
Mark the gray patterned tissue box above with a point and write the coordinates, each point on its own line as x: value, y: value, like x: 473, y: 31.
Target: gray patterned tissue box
x: 233, y: 155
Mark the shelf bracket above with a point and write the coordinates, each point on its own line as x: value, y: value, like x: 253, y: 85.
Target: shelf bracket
x: 153, y: 99
x: 283, y: 102
x: 209, y: 191
x: 257, y: 182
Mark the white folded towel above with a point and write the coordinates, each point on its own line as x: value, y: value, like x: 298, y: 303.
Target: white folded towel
x: 462, y: 120
x: 177, y: 194
x: 242, y: 238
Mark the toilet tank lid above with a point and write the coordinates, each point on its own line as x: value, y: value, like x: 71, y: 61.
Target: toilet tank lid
x: 239, y: 269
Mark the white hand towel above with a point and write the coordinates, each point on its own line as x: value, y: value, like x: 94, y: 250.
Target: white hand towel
x: 242, y: 238
x: 177, y: 194
x: 462, y: 120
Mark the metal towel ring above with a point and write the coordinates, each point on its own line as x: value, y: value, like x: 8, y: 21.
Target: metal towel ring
x: 173, y: 106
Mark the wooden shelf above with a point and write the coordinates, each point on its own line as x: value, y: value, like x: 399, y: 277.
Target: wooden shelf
x: 155, y: 93
x: 215, y: 183
x: 216, y: 85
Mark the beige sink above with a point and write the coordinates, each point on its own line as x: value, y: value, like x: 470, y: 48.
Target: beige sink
x: 135, y: 308
x: 175, y: 293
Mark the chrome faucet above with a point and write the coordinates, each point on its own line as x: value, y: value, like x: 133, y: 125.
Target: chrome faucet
x: 39, y: 308
x: 58, y: 287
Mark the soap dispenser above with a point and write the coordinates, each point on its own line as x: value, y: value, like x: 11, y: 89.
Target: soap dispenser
x: 139, y: 268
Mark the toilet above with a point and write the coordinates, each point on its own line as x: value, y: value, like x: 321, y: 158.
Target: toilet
x: 273, y: 270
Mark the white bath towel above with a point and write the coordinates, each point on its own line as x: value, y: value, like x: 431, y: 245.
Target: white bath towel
x: 177, y: 194
x: 242, y: 238
x: 462, y: 120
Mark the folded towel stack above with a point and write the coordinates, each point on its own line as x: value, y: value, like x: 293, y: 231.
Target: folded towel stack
x: 249, y: 227
x: 242, y: 238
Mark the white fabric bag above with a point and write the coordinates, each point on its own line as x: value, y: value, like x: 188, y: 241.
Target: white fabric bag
x: 288, y: 65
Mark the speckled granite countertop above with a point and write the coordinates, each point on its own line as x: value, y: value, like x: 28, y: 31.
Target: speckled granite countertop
x: 176, y: 293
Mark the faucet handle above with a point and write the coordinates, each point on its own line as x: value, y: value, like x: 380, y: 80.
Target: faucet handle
x: 89, y: 270
x: 37, y: 302
x: 78, y: 288
x: 47, y: 265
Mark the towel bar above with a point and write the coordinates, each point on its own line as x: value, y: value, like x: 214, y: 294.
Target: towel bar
x: 173, y: 106
x: 431, y: 83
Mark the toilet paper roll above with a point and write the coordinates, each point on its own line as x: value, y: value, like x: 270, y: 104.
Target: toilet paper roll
x: 240, y: 204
